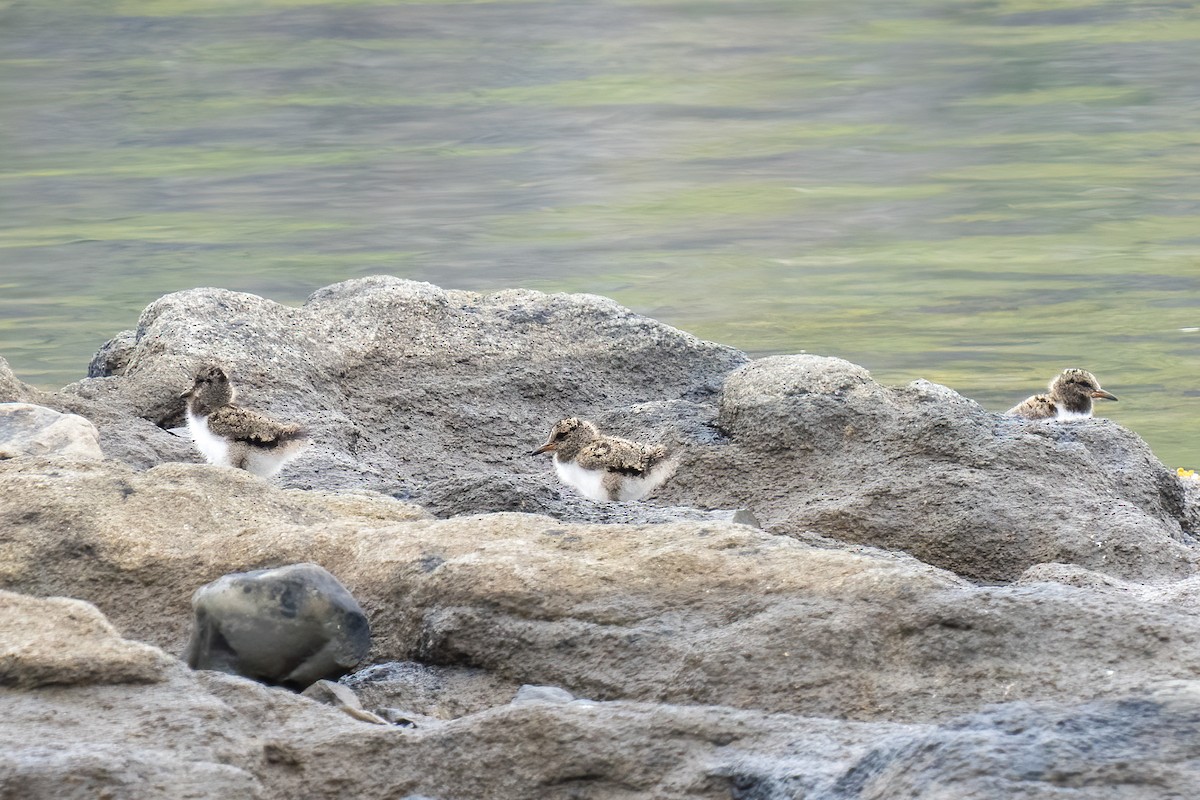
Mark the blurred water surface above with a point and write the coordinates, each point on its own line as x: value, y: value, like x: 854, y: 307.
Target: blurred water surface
x: 977, y: 193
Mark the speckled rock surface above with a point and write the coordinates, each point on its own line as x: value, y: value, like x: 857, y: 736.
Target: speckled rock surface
x: 438, y: 396
x: 1137, y: 746
x: 686, y: 612
x: 428, y: 395
x: 209, y: 735
x: 56, y: 640
x: 919, y: 468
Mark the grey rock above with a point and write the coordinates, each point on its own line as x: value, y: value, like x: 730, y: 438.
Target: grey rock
x: 222, y: 736
x: 707, y: 647
x: 1127, y: 748
x: 815, y: 444
x: 13, y: 390
x: 291, y: 626
x: 403, y: 718
x: 124, y: 435
x: 529, y: 694
x: 27, y: 429
x: 1070, y: 575
x: 435, y: 397
x: 431, y: 396
x: 217, y: 736
x: 685, y: 612
x: 113, y: 356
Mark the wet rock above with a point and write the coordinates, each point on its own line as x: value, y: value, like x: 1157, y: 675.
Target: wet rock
x: 290, y: 626
x: 56, y: 640
x: 27, y: 429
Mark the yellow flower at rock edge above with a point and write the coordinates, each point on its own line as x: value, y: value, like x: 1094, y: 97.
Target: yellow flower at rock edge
x: 1186, y: 473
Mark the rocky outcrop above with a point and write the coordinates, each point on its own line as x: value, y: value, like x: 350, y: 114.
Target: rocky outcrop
x: 208, y: 735
x: 921, y: 469
x: 919, y: 558
x: 27, y: 429
x: 427, y: 395
x: 438, y: 396
x: 12, y: 390
x: 688, y: 612
x: 291, y: 626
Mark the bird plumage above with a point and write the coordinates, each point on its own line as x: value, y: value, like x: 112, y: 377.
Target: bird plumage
x: 232, y: 436
x: 605, y: 467
x: 1070, y: 396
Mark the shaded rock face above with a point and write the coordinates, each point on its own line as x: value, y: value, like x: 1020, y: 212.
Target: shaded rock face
x: 290, y: 626
x: 442, y: 692
x: 27, y: 429
x: 1138, y: 746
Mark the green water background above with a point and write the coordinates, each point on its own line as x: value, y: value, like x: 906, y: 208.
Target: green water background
x: 976, y: 193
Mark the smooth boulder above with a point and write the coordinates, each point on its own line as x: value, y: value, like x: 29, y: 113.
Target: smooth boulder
x: 815, y: 444
x: 290, y: 626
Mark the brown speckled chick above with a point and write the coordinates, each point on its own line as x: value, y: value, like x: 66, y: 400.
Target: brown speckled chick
x: 605, y: 467
x: 231, y: 436
x: 1070, y: 397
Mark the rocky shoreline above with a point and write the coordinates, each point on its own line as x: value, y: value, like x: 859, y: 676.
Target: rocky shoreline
x: 936, y: 601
